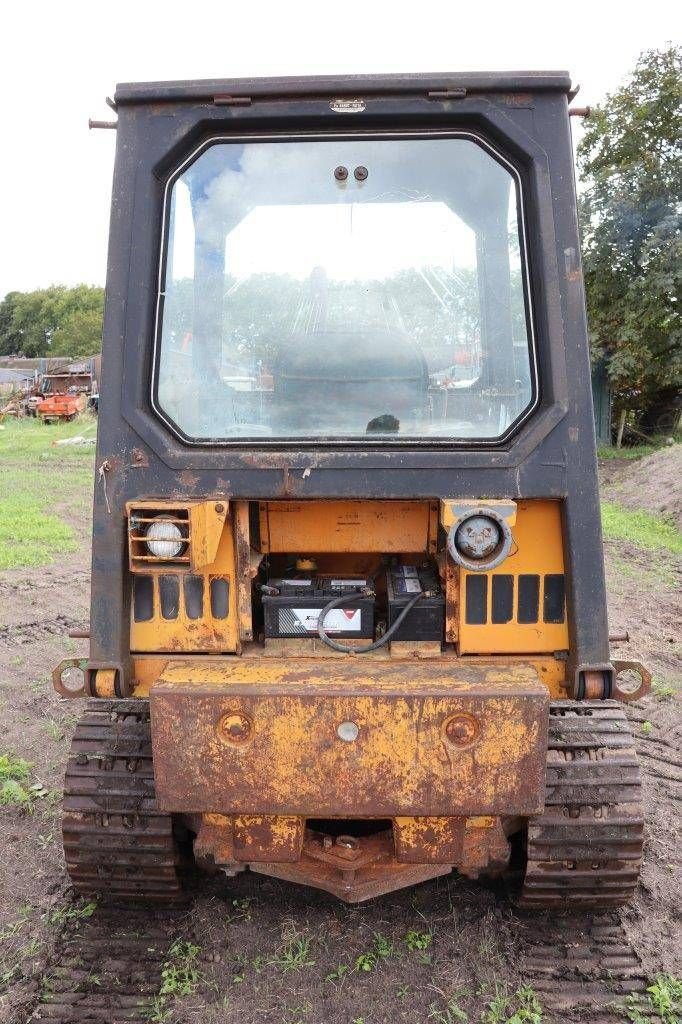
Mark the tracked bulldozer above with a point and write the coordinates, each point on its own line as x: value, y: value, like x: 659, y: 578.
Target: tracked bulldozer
x: 348, y: 617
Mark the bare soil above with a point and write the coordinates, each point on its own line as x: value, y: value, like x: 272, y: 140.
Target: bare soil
x: 272, y: 952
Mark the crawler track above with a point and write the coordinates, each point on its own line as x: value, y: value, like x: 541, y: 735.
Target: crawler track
x: 585, y: 851
x: 116, y: 841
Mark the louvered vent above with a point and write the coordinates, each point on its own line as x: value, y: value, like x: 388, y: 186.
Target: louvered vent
x: 140, y: 518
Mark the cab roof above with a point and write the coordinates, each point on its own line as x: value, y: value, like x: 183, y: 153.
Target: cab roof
x: 343, y: 85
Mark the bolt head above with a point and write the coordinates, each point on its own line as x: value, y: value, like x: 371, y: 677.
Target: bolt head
x: 361, y: 173
x: 235, y: 728
x: 347, y: 731
x: 341, y: 173
x: 461, y: 729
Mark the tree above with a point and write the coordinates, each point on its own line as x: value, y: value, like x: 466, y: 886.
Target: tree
x: 52, y: 321
x: 630, y: 160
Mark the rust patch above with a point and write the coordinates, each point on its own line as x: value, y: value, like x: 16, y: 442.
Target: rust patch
x: 400, y: 763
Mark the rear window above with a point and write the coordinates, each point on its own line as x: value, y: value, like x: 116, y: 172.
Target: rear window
x: 344, y: 290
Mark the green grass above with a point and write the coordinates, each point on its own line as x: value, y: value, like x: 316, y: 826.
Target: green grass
x: 636, y: 452
x: 640, y: 528
x: 42, y: 487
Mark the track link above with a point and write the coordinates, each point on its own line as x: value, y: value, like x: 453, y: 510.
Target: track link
x: 585, y: 851
x: 116, y: 841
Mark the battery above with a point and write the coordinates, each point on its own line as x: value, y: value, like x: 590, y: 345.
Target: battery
x: 295, y: 611
x: 426, y: 619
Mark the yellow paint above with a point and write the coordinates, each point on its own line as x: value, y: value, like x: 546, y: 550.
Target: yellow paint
x: 552, y: 673
x: 205, y: 520
x: 295, y: 762
x: 386, y: 527
x: 451, y: 509
x: 185, y: 634
x: 537, y: 549
x: 105, y: 679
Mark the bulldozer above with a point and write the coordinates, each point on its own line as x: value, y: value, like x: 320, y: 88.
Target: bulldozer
x: 348, y: 615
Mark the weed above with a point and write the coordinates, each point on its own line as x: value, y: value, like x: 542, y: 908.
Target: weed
x: 640, y: 528
x: 365, y: 962
x: 523, y: 1007
x: 663, y: 690
x: 382, y: 947
x: 73, y: 913
x: 646, y: 728
x: 663, y: 998
x: 295, y: 955
x: 452, y: 1013
x: 416, y: 941
x: 12, y: 767
x: 14, y: 788
x: 338, y: 974
x: 180, y: 974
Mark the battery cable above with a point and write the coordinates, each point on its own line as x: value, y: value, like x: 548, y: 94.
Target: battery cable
x: 391, y: 631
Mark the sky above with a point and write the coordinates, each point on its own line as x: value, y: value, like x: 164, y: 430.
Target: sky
x: 60, y: 60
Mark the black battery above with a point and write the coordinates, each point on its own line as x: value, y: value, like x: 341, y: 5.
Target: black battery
x: 295, y: 611
x: 426, y: 619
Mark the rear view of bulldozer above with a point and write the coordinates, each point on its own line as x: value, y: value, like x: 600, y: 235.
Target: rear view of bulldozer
x: 348, y: 623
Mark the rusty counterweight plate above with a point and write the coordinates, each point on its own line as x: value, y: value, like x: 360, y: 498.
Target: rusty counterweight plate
x: 326, y: 739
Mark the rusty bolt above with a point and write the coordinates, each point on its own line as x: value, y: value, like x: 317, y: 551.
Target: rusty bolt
x: 220, y: 508
x: 461, y: 729
x: 347, y: 842
x: 327, y: 842
x: 340, y: 173
x: 361, y: 173
x: 235, y: 728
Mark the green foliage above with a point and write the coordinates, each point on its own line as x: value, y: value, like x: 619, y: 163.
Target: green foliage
x: 663, y: 998
x: 55, y: 321
x: 523, y: 1007
x: 295, y: 955
x: 415, y: 940
x: 630, y: 160
x: 15, y: 788
x: 640, y: 528
x: 73, y: 913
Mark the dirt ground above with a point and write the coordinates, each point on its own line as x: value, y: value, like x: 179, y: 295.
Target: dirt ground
x: 257, y: 950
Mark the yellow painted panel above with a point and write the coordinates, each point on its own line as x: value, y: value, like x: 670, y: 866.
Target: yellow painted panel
x: 311, y: 527
x: 537, y: 550
x: 468, y: 741
x: 185, y: 634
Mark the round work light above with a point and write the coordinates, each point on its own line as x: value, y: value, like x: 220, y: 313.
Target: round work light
x: 479, y: 540
x: 164, y: 539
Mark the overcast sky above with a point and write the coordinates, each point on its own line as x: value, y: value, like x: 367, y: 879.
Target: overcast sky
x: 60, y: 60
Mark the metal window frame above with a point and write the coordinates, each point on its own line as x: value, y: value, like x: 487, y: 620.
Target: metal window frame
x: 284, y: 442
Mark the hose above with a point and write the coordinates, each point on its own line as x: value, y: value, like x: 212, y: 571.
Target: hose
x: 335, y: 646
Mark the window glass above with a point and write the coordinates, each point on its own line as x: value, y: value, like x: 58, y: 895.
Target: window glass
x: 344, y: 289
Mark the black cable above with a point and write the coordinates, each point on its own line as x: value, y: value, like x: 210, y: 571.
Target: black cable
x: 369, y: 647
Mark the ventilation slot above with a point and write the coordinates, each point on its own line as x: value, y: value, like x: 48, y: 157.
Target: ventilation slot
x: 477, y: 600
x: 143, y: 598
x: 220, y: 597
x: 194, y: 596
x: 529, y: 599
x: 503, y: 599
x: 169, y: 595
x: 554, y: 599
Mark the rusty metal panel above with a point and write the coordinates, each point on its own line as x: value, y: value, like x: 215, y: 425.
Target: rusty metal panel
x: 428, y: 840
x: 329, y: 739
x: 347, y: 526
